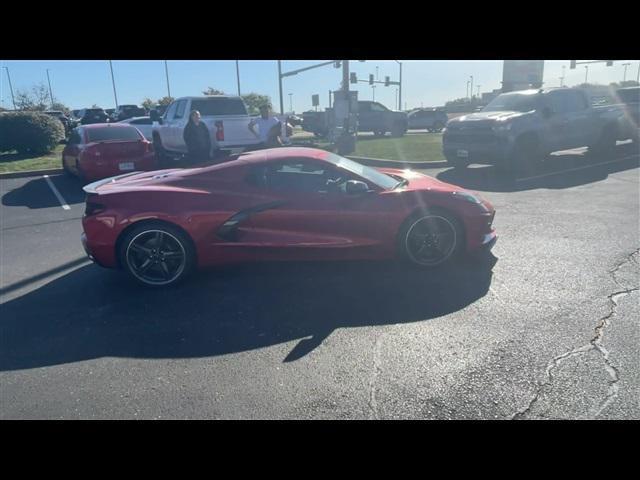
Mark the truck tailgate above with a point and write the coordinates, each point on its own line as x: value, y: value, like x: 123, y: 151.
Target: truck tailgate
x: 235, y: 128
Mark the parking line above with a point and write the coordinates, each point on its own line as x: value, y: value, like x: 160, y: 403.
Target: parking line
x: 56, y: 193
x: 574, y: 169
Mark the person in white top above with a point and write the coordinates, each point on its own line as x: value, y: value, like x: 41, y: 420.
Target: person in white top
x: 269, y: 128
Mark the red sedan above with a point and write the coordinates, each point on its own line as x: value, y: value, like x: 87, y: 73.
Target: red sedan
x: 103, y: 150
x: 278, y: 204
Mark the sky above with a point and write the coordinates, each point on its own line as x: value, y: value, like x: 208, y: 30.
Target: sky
x: 427, y: 83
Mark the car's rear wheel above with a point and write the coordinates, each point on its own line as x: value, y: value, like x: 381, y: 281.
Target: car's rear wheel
x: 430, y: 238
x: 156, y: 254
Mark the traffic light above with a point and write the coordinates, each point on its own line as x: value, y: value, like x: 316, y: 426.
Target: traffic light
x: 353, y: 78
x: 386, y: 81
x: 371, y: 79
x: 573, y: 64
x: 609, y: 63
x: 337, y: 64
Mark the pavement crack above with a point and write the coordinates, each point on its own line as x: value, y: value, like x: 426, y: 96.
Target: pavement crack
x: 594, y: 344
x: 373, y: 404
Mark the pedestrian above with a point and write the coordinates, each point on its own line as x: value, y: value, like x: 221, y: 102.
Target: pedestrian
x: 269, y: 128
x: 196, y: 137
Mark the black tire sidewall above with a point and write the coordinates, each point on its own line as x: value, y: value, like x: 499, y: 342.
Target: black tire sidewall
x: 186, y: 242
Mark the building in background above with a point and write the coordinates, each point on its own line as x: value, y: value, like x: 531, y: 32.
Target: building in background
x: 522, y: 74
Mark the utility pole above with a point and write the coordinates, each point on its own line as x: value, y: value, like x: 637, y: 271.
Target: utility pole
x: 625, y: 65
x: 397, y: 99
x: 373, y: 89
x: 238, y: 75
x: 330, y: 98
x: 562, y: 77
x: 471, y: 76
x: 400, y: 92
x: 466, y: 95
x: 637, y: 78
x: 50, y: 91
x: 13, y: 100
x: 586, y: 73
x: 280, y: 84
x: 114, y: 84
x: 478, y: 87
x: 290, y: 102
x: 377, y: 78
x: 166, y: 71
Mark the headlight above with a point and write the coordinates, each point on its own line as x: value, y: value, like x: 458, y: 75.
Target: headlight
x: 502, y: 128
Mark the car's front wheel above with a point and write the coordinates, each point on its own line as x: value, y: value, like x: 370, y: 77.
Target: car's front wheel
x: 430, y: 238
x: 156, y: 254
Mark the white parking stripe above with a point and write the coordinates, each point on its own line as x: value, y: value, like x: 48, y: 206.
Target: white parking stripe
x: 574, y: 169
x: 56, y: 193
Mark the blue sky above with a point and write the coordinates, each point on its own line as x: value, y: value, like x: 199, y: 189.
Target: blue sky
x: 425, y: 82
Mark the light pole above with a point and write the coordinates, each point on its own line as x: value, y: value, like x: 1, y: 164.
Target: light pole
x: 562, y: 77
x: 280, y: 85
x: 637, y: 78
x: 290, y: 102
x: 50, y: 91
x: 373, y: 89
x: 400, y: 91
x: 166, y: 71
x: 466, y: 95
x: 586, y: 73
x: 377, y: 78
x: 114, y: 84
x: 478, y: 87
x: 13, y: 100
x: 471, y: 90
x: 397, y: 98
x: 238, y: 75
x: 625, y: 65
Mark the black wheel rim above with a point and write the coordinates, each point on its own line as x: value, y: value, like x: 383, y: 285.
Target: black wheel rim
x: 431, y: 240
x: 156, y: 257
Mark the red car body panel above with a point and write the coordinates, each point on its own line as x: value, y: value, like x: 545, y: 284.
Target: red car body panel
x: 97, y: 160
x: 274, y: 225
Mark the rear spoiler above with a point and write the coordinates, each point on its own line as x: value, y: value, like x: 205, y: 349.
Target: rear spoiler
x: 93, y: 187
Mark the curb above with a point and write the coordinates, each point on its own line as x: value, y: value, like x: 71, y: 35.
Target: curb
x: 380, y: 162
x: 31, y: 173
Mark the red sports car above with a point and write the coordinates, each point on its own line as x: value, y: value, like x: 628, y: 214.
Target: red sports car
x: 103, y: 150
x: 278, y: 204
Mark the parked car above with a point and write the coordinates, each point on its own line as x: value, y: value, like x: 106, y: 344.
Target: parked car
x: 144, y: 124
x: 278, y: 204
x: 517, y: 129
x: 89, y: 116
x: 76, y: 114
x: 104, y: 150
x: 431, y: 120
x: 372, y: 117
x: 128, y: 111
x: 226, y: 119
x: 67, y: 122
x: 629, y: 99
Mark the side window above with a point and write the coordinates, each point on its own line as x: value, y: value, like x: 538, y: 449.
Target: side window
x: 576, y: 102
x: 142, y: 121
x: 364, y: 107
x: 168, y: 115
x: 74, y: 138
x: 558, y: 102
x: 376, y: 107
x: 180, y: 109
x: 297, y: 176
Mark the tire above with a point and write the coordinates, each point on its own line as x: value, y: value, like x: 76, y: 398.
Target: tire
x: 606, y: 143
x: 379, y: 133
x: 398, y: 130
x: 160, y: 152
x: 421, y: 236
x: 152, y: 265
x: 437, y: 127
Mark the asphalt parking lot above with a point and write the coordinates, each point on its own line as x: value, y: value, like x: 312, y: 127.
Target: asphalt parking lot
x: 544, y: 328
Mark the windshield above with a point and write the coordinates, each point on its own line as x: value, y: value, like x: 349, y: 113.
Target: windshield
x: 219, y: 106
x: 512, y: 103
x: 113, y: 134
x: 371, y: 174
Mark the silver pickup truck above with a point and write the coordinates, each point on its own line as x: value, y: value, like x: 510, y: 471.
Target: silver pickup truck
x: 519, y: 128
x: 226, y: 118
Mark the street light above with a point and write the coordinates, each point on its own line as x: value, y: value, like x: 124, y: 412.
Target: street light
x: 586, y: 73
x: 166, y: 71
x: 50, y: 91
x: 471, y: 90
x: 466, y: 95
x: 625, y: 65
x: 400, y: 91
x: 114, y: 84
x: 562, y: 77
x: 238, y: 75
x: 373, y: 89
x: 290, y: 102
x: 13, y: 100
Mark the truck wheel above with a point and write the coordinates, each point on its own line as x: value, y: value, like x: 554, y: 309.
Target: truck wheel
x: 437, y: 127
x: 606, y: 143
x: 160, y: 152
x: 379, y: 133
x: 398, y: 130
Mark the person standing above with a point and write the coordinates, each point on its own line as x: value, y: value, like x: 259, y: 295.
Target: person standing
x: 268, y: 128
x: 196, y: 137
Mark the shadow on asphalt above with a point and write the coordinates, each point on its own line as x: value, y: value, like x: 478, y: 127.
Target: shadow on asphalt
x: 556, y: 172
x: 36, y: 193
x: 92, y: 312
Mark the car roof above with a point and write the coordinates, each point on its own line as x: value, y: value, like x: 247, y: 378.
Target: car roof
x: 107, y: 125
x: 129, y: 120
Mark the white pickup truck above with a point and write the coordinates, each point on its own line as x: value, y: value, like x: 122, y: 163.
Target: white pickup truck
x: 225, y: 116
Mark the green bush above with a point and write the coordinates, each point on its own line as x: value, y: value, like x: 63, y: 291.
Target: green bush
x: 29, y: 132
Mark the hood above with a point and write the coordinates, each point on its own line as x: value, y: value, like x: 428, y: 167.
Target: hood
x: 486, y: 117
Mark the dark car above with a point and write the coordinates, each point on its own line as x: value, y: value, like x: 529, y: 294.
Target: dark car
x: 431, y: 120
x: 67, y: 122
x: 89, y: 116
x: 124, y: 112
x: 629, y: 99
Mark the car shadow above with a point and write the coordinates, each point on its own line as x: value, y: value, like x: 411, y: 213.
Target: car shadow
x: 36, y: 193
x: 92, y: 312
x: 560, y: 170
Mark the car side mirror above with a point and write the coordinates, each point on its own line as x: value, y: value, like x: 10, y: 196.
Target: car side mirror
x: 355, y: 187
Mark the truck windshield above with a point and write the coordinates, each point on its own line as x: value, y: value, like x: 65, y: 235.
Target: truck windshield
x: 219, y: 106
x: 512, y: 103
x: 382, y: 180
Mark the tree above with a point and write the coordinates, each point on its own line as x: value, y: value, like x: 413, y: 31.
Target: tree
x: 164, y: 101
x: 95, y: 106
x: 254, y: 101
x: 61, y: 107
x: 37, y: 99
x: 148, y: 103
x: 212, y: 91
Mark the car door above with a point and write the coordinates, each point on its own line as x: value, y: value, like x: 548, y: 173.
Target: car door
x: 380, y: 117
x: 582, y: 122
x: 310, y: 214
x: 556, y: 125
x: 180, y: 119
x: 365, y: 117
x: 72, y: 150
x: 167, y: 135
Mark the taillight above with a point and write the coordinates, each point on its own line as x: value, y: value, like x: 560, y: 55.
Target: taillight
x: 93, y: 208
x: 219, y: 131
x: 148, y: 146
